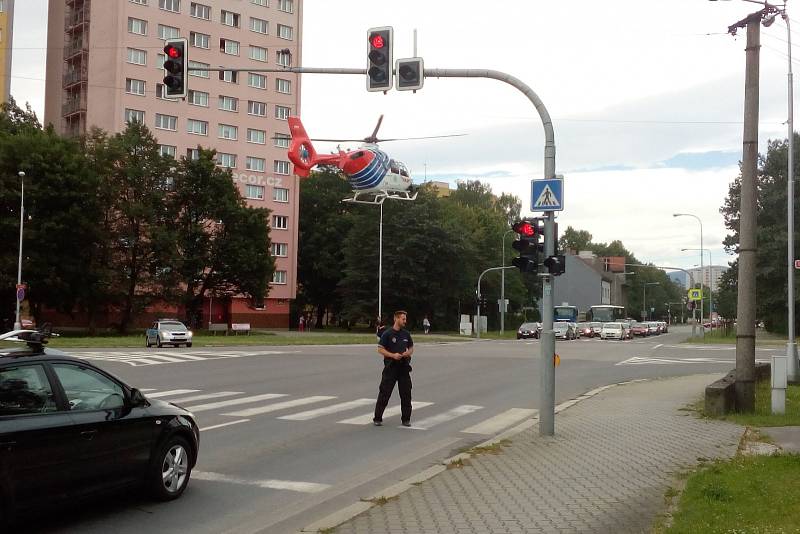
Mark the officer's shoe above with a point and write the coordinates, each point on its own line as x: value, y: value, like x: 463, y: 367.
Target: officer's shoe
x: 406, y: 423
x: 377, y: 423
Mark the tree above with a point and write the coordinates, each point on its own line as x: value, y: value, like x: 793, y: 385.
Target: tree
x: 576, y: 240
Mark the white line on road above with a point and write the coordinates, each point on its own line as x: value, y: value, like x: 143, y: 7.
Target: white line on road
x: 327, y: 410
x: 501, y: 421
x: 291, y: 485
x: 458, y: 411
x: 212, y: 427
x: 206, y: 396
x: 234, y: 402
x: 171, y: 392
x: 366, y: 419
x: 258, y: 410
x: 659, y: 345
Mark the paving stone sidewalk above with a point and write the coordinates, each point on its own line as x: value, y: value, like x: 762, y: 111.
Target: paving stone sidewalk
x: 606, y: 470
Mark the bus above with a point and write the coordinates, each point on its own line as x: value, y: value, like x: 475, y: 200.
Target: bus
x: 605, y: 313
x: 565, y: 313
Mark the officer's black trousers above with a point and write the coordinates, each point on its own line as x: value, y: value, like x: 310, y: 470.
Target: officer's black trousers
x: 394, y: 371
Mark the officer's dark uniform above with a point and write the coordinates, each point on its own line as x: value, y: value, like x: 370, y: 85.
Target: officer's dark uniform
x: 398, y: 371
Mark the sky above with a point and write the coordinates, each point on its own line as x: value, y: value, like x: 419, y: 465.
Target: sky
x: 646, y: 99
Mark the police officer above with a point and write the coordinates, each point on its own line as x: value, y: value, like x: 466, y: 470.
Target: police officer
x: 396, y: 347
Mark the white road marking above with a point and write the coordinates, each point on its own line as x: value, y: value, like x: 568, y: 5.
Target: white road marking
x: 212, y: 427
x: 171, y: 392
x: 291, y: 485
x: 366, y: 419
x: 234, y: 402
x: 659, y: 345
x: 501, y: 421
x: 145, y: 390
x: 207, y: 396
x: 150, y: 357
x: 327, y: 410
x: 258, y: 410
x: 637, y: 360
x: 432, y: 421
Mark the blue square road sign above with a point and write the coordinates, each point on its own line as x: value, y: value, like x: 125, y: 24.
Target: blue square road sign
x: 547, y: 195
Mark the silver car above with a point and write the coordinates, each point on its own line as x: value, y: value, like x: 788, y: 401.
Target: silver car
x: 168, y: 332
x: 565, y: 330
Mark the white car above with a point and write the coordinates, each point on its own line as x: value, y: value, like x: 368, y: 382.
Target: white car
x: 168, y: 332
x: 613, y: 331
x: 565, y: 330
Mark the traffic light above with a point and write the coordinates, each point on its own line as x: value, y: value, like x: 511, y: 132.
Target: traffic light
x: 527, y: 245
x: 176, y: 68
x: 410, y: 74
x: 556, y: 265
x: 379, y: 59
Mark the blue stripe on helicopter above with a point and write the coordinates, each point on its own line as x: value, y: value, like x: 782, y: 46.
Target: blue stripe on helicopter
x: 373, y: 173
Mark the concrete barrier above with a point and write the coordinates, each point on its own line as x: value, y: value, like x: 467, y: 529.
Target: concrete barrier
x: 720, y: 396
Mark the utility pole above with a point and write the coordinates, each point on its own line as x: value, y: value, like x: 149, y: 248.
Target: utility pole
x: 746, y: 298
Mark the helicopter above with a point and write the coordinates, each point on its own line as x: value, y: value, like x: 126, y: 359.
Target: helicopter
x: 372, y: 174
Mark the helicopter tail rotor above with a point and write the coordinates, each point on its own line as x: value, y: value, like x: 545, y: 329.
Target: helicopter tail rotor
x: 302, y: 153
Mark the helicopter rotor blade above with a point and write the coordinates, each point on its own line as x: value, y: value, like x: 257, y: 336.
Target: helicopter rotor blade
x: 423, y: 137
x: 374, y: 137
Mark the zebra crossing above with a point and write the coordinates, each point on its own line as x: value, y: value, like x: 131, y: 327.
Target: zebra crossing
x: 242, y: 407
x: 156, y: 357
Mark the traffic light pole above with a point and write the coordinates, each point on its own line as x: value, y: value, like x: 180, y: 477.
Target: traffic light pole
x: 547, y: 387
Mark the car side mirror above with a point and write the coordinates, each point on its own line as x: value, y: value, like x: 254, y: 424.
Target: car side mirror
x: 137, y: 398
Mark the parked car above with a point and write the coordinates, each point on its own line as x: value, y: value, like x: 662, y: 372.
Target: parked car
x: 614, y: 331
x: 653, y: 329
x: 640, y: 329
x: 528, y: 330
x: 565, y: 330
x: 70, y: 429
x: 585, y: 330
x: 664, y: 327
x: 597, y: 327
x: 168, y: 332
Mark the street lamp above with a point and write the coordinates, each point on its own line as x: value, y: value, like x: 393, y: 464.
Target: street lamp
x: 702, y: 271
x: 710, y: 280
x: 503, y: 286
x: 644, y: 295
x: 21, y: 174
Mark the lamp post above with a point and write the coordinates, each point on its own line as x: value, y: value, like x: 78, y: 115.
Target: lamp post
x: 21, y: 174
x: 644, y: 295
x: 503, y: 286
x: 710, y: 280
x: 702, y: 271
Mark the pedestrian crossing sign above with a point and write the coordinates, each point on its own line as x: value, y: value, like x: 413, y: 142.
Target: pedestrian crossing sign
x: 695, y: 294
x: 547, y: 195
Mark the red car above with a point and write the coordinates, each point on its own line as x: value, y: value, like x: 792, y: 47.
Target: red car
x: 639, y: 329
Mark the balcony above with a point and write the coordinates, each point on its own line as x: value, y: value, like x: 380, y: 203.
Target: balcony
x: 72, y: 107
x: 76, y: 76
x: 72, y: 49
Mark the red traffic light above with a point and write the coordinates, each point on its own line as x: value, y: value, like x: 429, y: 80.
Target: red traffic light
x: 376, y: 41
x: 524, y: 228
x: 172, y: 51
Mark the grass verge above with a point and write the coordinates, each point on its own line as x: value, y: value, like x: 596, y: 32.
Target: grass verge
x: 763, y: 416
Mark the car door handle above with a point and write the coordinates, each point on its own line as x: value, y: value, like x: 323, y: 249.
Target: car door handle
x: 88, y: 434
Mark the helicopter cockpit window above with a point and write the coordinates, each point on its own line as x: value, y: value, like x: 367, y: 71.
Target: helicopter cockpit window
x: 393, y: 167
x: 403, y: 170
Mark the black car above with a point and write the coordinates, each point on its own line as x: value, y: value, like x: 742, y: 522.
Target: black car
x: 527, y: 330
x: 69, y: 429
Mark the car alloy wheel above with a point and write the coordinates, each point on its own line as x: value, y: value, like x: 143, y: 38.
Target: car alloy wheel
x: 158, y: 342
x: 170, y: 470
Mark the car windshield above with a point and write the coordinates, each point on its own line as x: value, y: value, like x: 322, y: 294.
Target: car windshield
x: 612, y: 326
x: 560, y: 326
x: 172, y: 326
x: 529, y: 326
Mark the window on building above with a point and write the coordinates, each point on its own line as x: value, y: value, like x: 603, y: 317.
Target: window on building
x: 197, y: 127
x: 134, y: 115
x: 160, y: 59
x: 255, y: 164
x: 280, y: 250
x: 285, y: 32
x: 229, y: 18
x: 198, y: 73
x: 258, y: 137
x: 226, y: 160
x: 280, y: 222
x: 264, y: 3
x: 254, y: 192
x: 199, y: 40
x: 134, y: 87
x: 228, y: 103
x: 280, y: 167
x: 166, y: 122
x: 258, y: 53
x: 283, y: 59
x: 282, y: 112
x: 168, y: 32
x: 281, y: 140
x: 259, y: 81
x: 259, y: 25
x: 283, y: 86
x: 168, y: 150
x: 170, y: 5
x: 161, y: 91
x: 2, y: 6
x: 226, y: 46
x: 287, y: 6
x: 280, y: 194
x: 228, y: 131
x: 197, y: 98
x: 137, y: 26
x: 193, y: 154
x: 229, y: 76
x: 279, y: 277
x: 140, y: 2
x: 200, y: 11
x: 256, y: 108
x: 137, y: 57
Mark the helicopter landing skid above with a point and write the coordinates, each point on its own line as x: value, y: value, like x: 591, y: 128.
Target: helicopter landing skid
x: 378, y: 198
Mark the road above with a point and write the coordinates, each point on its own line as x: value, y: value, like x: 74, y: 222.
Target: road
x: 286, y: 434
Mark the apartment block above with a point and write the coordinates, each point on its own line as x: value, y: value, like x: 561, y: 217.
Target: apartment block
x: 105, y: 67
x: 6, y: 39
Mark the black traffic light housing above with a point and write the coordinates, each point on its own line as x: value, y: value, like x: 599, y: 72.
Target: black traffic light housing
x: 556, y: 265
x: 379, y: 59
x: 529, y: 231
x: 176, y: 68
x: 410, y: 74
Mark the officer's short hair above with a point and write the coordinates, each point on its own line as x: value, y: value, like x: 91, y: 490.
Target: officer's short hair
x: 398, y: 313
